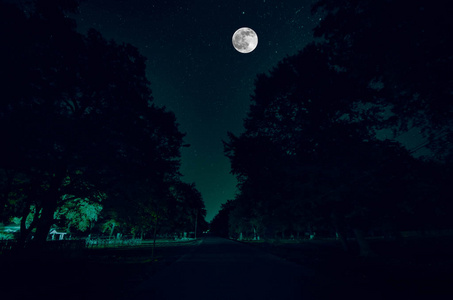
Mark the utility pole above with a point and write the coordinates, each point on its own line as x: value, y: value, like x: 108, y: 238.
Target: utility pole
x: 196, y: 221
x: 154, y: 237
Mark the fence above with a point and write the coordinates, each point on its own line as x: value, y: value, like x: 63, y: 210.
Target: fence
x: 428, y: 233
x: 7, y: 245
x: 49, y: 246
x: 105, y: 242
x: 97, y: 242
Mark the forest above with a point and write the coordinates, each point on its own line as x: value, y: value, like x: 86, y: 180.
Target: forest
x: 84, y: 148
x: 313, y: 161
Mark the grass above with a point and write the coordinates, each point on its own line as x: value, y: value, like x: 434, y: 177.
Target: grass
x: 413, y: 267
x: 90, y: 274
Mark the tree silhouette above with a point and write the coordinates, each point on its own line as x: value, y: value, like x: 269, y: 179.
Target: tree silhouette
x: 309, y: 158
x: 78, y: 107
x: 402, y: 51
x: 220, y: 224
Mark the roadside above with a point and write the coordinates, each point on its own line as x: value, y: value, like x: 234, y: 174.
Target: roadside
x: 108, y: 273
x: 413, y: 267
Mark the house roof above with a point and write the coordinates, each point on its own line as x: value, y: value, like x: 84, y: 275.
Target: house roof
x: 58, y: 231
x: 9, y: 228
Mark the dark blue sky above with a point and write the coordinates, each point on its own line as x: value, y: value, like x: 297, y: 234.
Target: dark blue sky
x: 195, y: 71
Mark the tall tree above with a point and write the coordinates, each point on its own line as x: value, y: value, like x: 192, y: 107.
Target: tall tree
x: 220, y: 224
x: 189, y: 210
x: 83, y: 109
x: 309, y: 146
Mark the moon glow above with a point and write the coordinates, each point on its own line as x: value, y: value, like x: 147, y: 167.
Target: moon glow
x: 245, y: 40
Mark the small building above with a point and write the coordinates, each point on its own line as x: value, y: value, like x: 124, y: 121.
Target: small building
x: 9, y: 231
x: 57, y: 233
x: 10, y: 228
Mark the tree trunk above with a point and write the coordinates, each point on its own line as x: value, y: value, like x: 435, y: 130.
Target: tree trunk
x: 111, y: 231
x: 49, y: 205
x: 154, y: 239
x: 24, y: 231
x: 6, y: 191
x: 364, y: 246
x: 196, y: 222
x: 45, y: 222
x: 342, y: 238
x: 339, y: 226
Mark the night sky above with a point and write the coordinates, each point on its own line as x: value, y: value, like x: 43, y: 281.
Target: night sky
x: 195, y: 71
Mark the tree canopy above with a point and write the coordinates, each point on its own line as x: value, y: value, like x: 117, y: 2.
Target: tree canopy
x: 78, y: 120
x: 310, y: 159
x: 400, y: 50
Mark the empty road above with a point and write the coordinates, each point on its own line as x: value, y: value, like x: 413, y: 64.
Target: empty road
x: 220, y: 269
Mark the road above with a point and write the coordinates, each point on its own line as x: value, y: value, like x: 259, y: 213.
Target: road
x: 223, y: 269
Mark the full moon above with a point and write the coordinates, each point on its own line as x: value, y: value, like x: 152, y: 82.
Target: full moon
x: 245, y: 40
